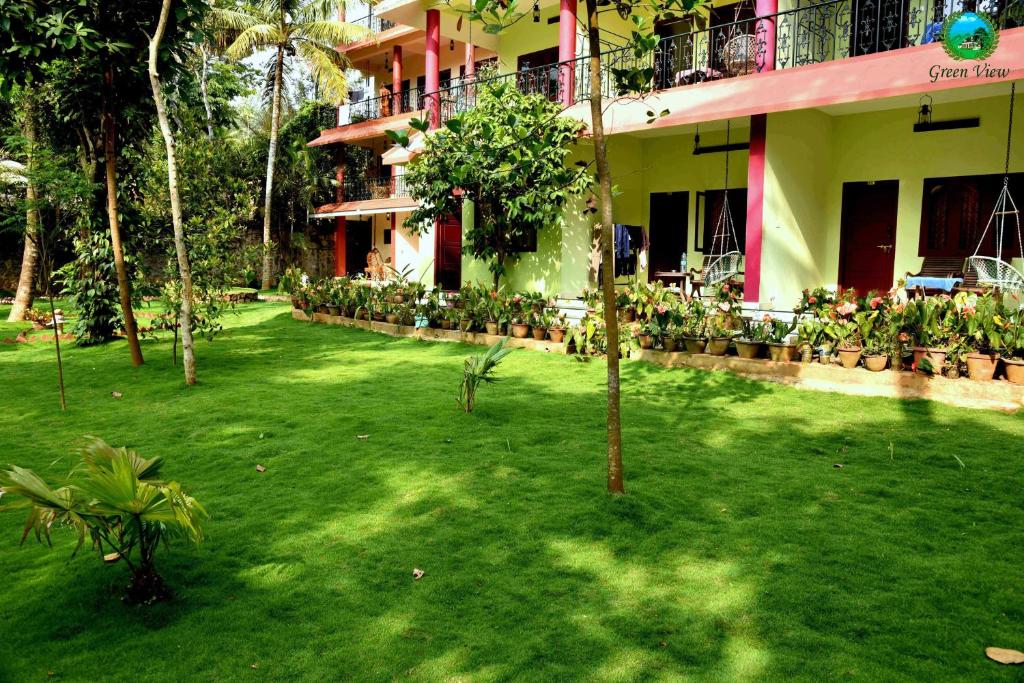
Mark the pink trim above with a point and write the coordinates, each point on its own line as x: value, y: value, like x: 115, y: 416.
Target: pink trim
x: 432, y: 66
x: 339, y: 247
x: 755, y: 209
x: 470, y: 60
x: 854, y: 79
x: 566, y: 50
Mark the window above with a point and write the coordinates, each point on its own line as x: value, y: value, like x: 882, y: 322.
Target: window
x: 955, y: 211
x: 525, y: 241
x: 711, y: 206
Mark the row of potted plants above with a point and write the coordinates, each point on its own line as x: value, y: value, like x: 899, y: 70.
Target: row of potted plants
x: 401, y: 301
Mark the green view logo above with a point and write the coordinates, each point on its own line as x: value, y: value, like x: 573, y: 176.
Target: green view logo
x: 967, y: 35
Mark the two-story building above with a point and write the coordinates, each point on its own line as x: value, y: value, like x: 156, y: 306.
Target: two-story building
x: 857, y: 147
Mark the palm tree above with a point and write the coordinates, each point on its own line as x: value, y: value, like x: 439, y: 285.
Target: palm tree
x: 291, y: 28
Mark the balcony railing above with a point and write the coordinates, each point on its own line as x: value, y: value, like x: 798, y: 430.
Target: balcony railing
x: 373, y: 22
x: 361, y: 189
x: 820, y: 32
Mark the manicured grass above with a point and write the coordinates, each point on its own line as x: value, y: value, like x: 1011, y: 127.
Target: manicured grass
x: 741, y: 552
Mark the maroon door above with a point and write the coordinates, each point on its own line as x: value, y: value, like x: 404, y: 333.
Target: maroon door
x: 867, y: 249
x: 448, y: 253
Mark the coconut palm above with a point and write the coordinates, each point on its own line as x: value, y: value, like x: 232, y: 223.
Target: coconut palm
x: 305, y: 29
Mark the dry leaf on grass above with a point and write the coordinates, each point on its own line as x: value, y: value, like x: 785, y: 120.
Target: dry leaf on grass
x: 362, y: 437
x: 116, y: 394
x: 417, y: 573
x: 261, y: 468
x: 1004, y: 656
x: 110, y: 558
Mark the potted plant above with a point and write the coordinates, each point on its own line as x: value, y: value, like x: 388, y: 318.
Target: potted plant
x: 780, y: 349
x: 495, y: 310
x: 556, y: 328
x: 750, y: 343
x: 842, y: 330
x: 809, y: 336
x: 625, y: 304
x: 1013, y: 345
x: 648, y: 332
x: 719, y: 335
x: 693, y: 326
x: 985, y: 328
x: 928, y: 323
x: 672, y: 337
x: 538, y: 324
x: 519, y: 325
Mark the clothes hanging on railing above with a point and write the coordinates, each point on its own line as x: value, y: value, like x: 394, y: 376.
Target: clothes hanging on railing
x: 629, y: 241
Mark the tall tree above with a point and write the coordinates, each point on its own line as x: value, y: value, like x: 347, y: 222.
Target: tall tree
x: 181, y: 251
x: 24, y: 295
x: 306, y: 29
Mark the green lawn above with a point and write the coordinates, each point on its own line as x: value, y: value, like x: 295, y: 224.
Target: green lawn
x: 742, y: 552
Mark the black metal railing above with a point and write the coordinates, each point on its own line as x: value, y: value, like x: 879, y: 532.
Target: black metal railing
x: 373, y: 22
x: 361, y: 189
x: 818, y: 32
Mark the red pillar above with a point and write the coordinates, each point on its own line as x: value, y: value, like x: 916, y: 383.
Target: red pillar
x: 396, y: 80
x: 755, y: 209
x: 433, y: 67
x: 764, y: 33
x: 566, y: 51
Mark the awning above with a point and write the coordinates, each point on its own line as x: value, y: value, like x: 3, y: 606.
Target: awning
x: 398, y: 155
x: 367, y: 207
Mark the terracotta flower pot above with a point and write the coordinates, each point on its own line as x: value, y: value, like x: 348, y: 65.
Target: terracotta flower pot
x: 557, y: 334
x: 391, y: 318
x: 695, y: 344
x: 1014, y: 370
x: 849, y: 357
x: 718, y: 346
x: 646, y: 341
x: 982, y: 366
x: 333, y: 310
x: 937, y: 357
x: 446, y: 324
x: 748, y: 349
x: 668, y: 343
x: 492, y: 326
x: 379, y: 317
x: 627, y: 315
x: 520, y: 330
x: 782, y: 353
x: 876, y: 363
x: 539, y: 333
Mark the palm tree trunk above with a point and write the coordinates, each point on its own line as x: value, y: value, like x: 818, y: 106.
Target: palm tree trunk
x: 275, y: 123
x: 30, y: 255
x: 123, y: 284
x: 184, y: 271
x: 615, y: 479
x: 205, y: 92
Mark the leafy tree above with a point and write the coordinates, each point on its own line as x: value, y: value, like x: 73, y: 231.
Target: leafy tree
x: 302, y: 28
x: 115, y: 498
x: 508, y: 156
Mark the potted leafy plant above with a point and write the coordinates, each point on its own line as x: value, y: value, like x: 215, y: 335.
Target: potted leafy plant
x: 538, y: 325
x: 809, y: 335
x: 1013, y: 345
x: 927, y: 319
x: 519, y: 326
x: 985, y: 328
x: 719, y: 335
x: 750, y: 343
x: 842, y: 330
x: 693, y: 326
x: 556, y: 328
x: 777, y: 332
x: 648, y: 332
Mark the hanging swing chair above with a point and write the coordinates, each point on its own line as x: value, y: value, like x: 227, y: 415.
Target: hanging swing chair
x: 725, y: 257
x: 993, y: 271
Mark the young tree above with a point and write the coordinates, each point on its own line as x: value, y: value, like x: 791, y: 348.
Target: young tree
x: 289, y: 27
x: 30, y: 255
x: 518, y: 184
x: 181, y: 251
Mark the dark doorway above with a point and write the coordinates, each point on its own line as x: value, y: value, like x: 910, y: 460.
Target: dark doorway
x: 867, y: 243
x: 448, y: 253
x: 358, y: 242
x: 669, y: 231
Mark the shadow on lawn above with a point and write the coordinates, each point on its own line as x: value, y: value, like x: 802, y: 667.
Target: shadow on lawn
x: 741, y: 552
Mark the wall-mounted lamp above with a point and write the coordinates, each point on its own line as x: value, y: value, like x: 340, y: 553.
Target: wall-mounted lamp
x: 536, y: 11
x: 925, y: 123
x: 451, y: 45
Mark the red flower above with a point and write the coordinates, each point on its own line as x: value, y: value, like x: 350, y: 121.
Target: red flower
x: 812, y: 299
x: 876, y: 302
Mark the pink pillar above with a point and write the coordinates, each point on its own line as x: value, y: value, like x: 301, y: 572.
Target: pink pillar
x: 566, y: 51
x: 470, y: 60
x: 764, y: 33
x: 339, y: 225
x: 755, y: 209
x: 433, y: 67
x: 396, y: 80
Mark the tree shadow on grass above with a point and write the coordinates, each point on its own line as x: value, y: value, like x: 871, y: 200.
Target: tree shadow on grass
x: 741, y: 551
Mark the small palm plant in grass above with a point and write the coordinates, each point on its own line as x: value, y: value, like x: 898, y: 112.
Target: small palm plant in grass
x: 115, y: 497
x: 480, y: 368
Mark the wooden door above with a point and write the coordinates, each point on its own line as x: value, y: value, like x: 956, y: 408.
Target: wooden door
x: 669, y: 231
x: 867, y: 249
x: 448, y: 253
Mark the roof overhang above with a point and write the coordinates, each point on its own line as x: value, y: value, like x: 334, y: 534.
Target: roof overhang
x: 366, y: 207
x: 398, y: 155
